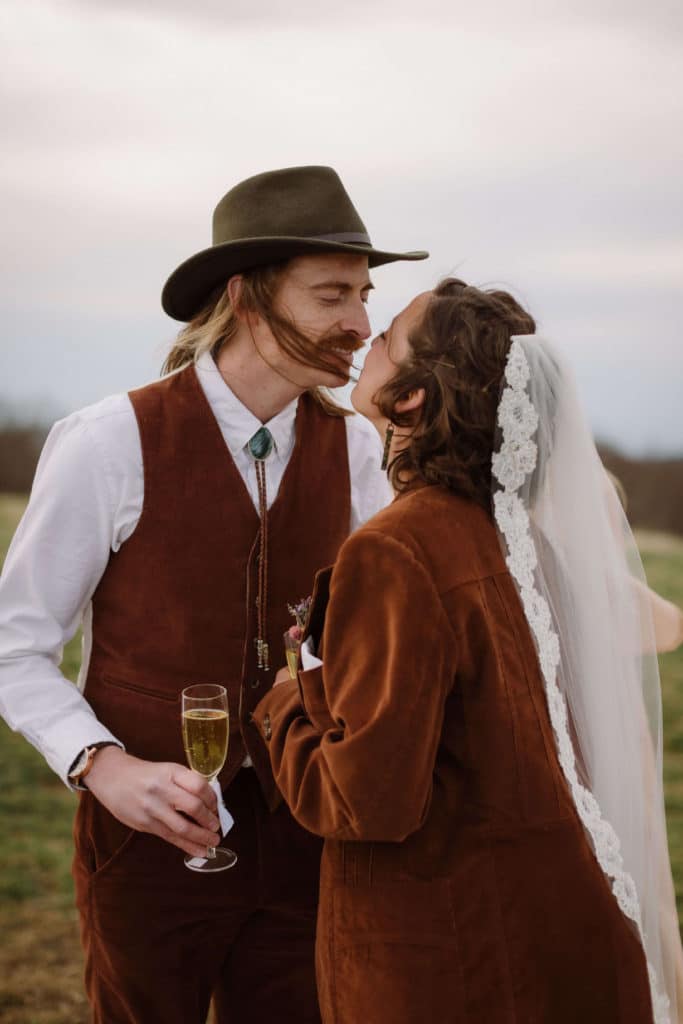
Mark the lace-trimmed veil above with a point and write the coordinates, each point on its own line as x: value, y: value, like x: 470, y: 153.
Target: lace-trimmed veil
x: 576, y: 567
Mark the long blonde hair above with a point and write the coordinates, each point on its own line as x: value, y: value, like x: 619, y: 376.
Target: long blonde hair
x: 217, y: 323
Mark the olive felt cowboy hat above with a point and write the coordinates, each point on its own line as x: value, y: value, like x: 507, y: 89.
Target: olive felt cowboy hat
x: 269, y: 218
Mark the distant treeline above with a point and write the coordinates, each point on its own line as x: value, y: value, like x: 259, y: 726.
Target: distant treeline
x: 654, y: 487
x: 654, y: 490
x: 20, y: 446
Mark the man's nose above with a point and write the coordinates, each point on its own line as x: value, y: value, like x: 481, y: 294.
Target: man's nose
x: 355, y: 321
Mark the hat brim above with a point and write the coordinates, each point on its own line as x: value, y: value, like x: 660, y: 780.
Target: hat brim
x: 192, y: 282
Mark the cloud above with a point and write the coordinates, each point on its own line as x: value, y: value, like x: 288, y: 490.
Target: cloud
x: 533, y: 145
x: 661, y: 16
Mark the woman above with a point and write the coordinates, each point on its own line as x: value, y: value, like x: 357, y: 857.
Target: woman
x: 471, y: 715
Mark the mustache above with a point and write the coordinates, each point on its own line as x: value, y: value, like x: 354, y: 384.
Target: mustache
x: 349, y: 343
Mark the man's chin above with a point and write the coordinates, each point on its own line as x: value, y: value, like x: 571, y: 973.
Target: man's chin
x: 336, y: 379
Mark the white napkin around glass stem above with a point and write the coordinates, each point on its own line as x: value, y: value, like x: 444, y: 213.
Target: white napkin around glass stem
x: 225, y: 818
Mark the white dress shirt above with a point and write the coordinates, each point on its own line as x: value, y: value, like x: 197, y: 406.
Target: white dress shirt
x: 85, y: 503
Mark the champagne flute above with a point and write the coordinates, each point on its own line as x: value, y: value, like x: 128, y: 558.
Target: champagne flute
x: 292, y: 639
x: 205, y: 722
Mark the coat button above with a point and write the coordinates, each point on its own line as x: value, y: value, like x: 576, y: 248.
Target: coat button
x: 267, y: 731
x: 255, y: 684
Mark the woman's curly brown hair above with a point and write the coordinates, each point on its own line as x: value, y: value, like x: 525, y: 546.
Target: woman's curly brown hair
x: 458, y: 355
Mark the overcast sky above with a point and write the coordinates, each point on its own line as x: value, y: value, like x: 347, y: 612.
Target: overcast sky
x: 537, y: 145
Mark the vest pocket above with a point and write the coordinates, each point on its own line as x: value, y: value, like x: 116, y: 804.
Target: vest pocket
x: 145, y: 720
x: 146, y: 691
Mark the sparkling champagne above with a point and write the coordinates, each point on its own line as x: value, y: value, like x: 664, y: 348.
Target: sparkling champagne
x: 292, y: 640
x: 205, y: 738
x: 292, y: 662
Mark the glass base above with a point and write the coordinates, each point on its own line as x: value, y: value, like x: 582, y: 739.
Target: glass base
x: 223, y: 860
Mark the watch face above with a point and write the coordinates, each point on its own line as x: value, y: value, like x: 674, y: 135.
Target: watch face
x: 79, y: 766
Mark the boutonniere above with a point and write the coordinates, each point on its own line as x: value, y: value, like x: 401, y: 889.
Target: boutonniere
x: 294, y: 635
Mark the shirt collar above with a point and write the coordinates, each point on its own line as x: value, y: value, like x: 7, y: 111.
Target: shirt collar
x: 237, y: 423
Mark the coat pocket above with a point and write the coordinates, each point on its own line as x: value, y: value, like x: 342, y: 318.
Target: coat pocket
x: 394, y: 954
x: 405, y: 912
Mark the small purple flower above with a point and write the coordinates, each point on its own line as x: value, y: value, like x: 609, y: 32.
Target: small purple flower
x: 300, y: 611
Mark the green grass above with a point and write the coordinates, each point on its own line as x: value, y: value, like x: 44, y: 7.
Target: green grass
x: 665, y: 573
x: 35, y: 842
x: 37, y: 831
x: 40, y: 959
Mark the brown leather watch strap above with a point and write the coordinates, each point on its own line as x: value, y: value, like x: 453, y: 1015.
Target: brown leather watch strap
x: 76, y: 779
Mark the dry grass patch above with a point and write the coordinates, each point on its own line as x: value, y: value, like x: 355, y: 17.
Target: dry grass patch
x: 41, y: 967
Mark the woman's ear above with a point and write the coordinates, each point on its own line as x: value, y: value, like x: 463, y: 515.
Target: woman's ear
x: 412, y: 402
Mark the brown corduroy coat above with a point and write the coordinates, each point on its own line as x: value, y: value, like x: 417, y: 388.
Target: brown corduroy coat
x: 457, y: 882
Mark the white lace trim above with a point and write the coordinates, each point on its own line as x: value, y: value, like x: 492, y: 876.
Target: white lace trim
x: 511, y: 465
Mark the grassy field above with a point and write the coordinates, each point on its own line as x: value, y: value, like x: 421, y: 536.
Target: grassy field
x: 40, y: 955
x: 40, y: 958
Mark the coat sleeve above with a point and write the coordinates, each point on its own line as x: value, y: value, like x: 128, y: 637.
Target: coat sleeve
x: 353, y: 746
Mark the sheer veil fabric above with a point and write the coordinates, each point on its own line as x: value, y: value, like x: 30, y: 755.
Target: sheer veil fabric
x: 576, y: 566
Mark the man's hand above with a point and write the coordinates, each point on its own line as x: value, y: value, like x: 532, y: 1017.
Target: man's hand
x: 282, y: 676
x: 148, y: 796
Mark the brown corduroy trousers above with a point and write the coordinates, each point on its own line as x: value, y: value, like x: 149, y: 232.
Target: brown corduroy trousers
x: 160, y: 939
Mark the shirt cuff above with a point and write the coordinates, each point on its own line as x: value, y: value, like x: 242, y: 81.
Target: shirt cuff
x: 68, y: 737
x: 80, y: 786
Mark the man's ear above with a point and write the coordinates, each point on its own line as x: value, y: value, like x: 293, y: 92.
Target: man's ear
x: 412, y: 402
x: 235, y: 296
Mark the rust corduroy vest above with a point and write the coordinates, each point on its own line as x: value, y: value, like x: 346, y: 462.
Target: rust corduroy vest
x: 177, y: 603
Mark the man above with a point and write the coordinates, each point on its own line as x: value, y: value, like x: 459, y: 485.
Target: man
x: 178, y: 522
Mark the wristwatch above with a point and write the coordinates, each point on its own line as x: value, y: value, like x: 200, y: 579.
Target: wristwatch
x: 83, y: 763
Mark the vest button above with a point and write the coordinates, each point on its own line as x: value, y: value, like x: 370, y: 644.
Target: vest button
x: 256, y: 683
x: 267, y: 731
x: 249, y: 718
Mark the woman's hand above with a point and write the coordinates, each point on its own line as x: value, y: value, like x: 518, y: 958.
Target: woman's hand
x: 282, y: 676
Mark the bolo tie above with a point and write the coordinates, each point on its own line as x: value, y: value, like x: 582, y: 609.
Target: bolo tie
x: 260, y: 446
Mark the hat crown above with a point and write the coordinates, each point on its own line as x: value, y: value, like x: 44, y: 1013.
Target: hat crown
x: 294, y: 202
x: 269, y: 219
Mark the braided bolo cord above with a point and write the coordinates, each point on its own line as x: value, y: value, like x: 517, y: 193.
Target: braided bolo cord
x: 262, y: 598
